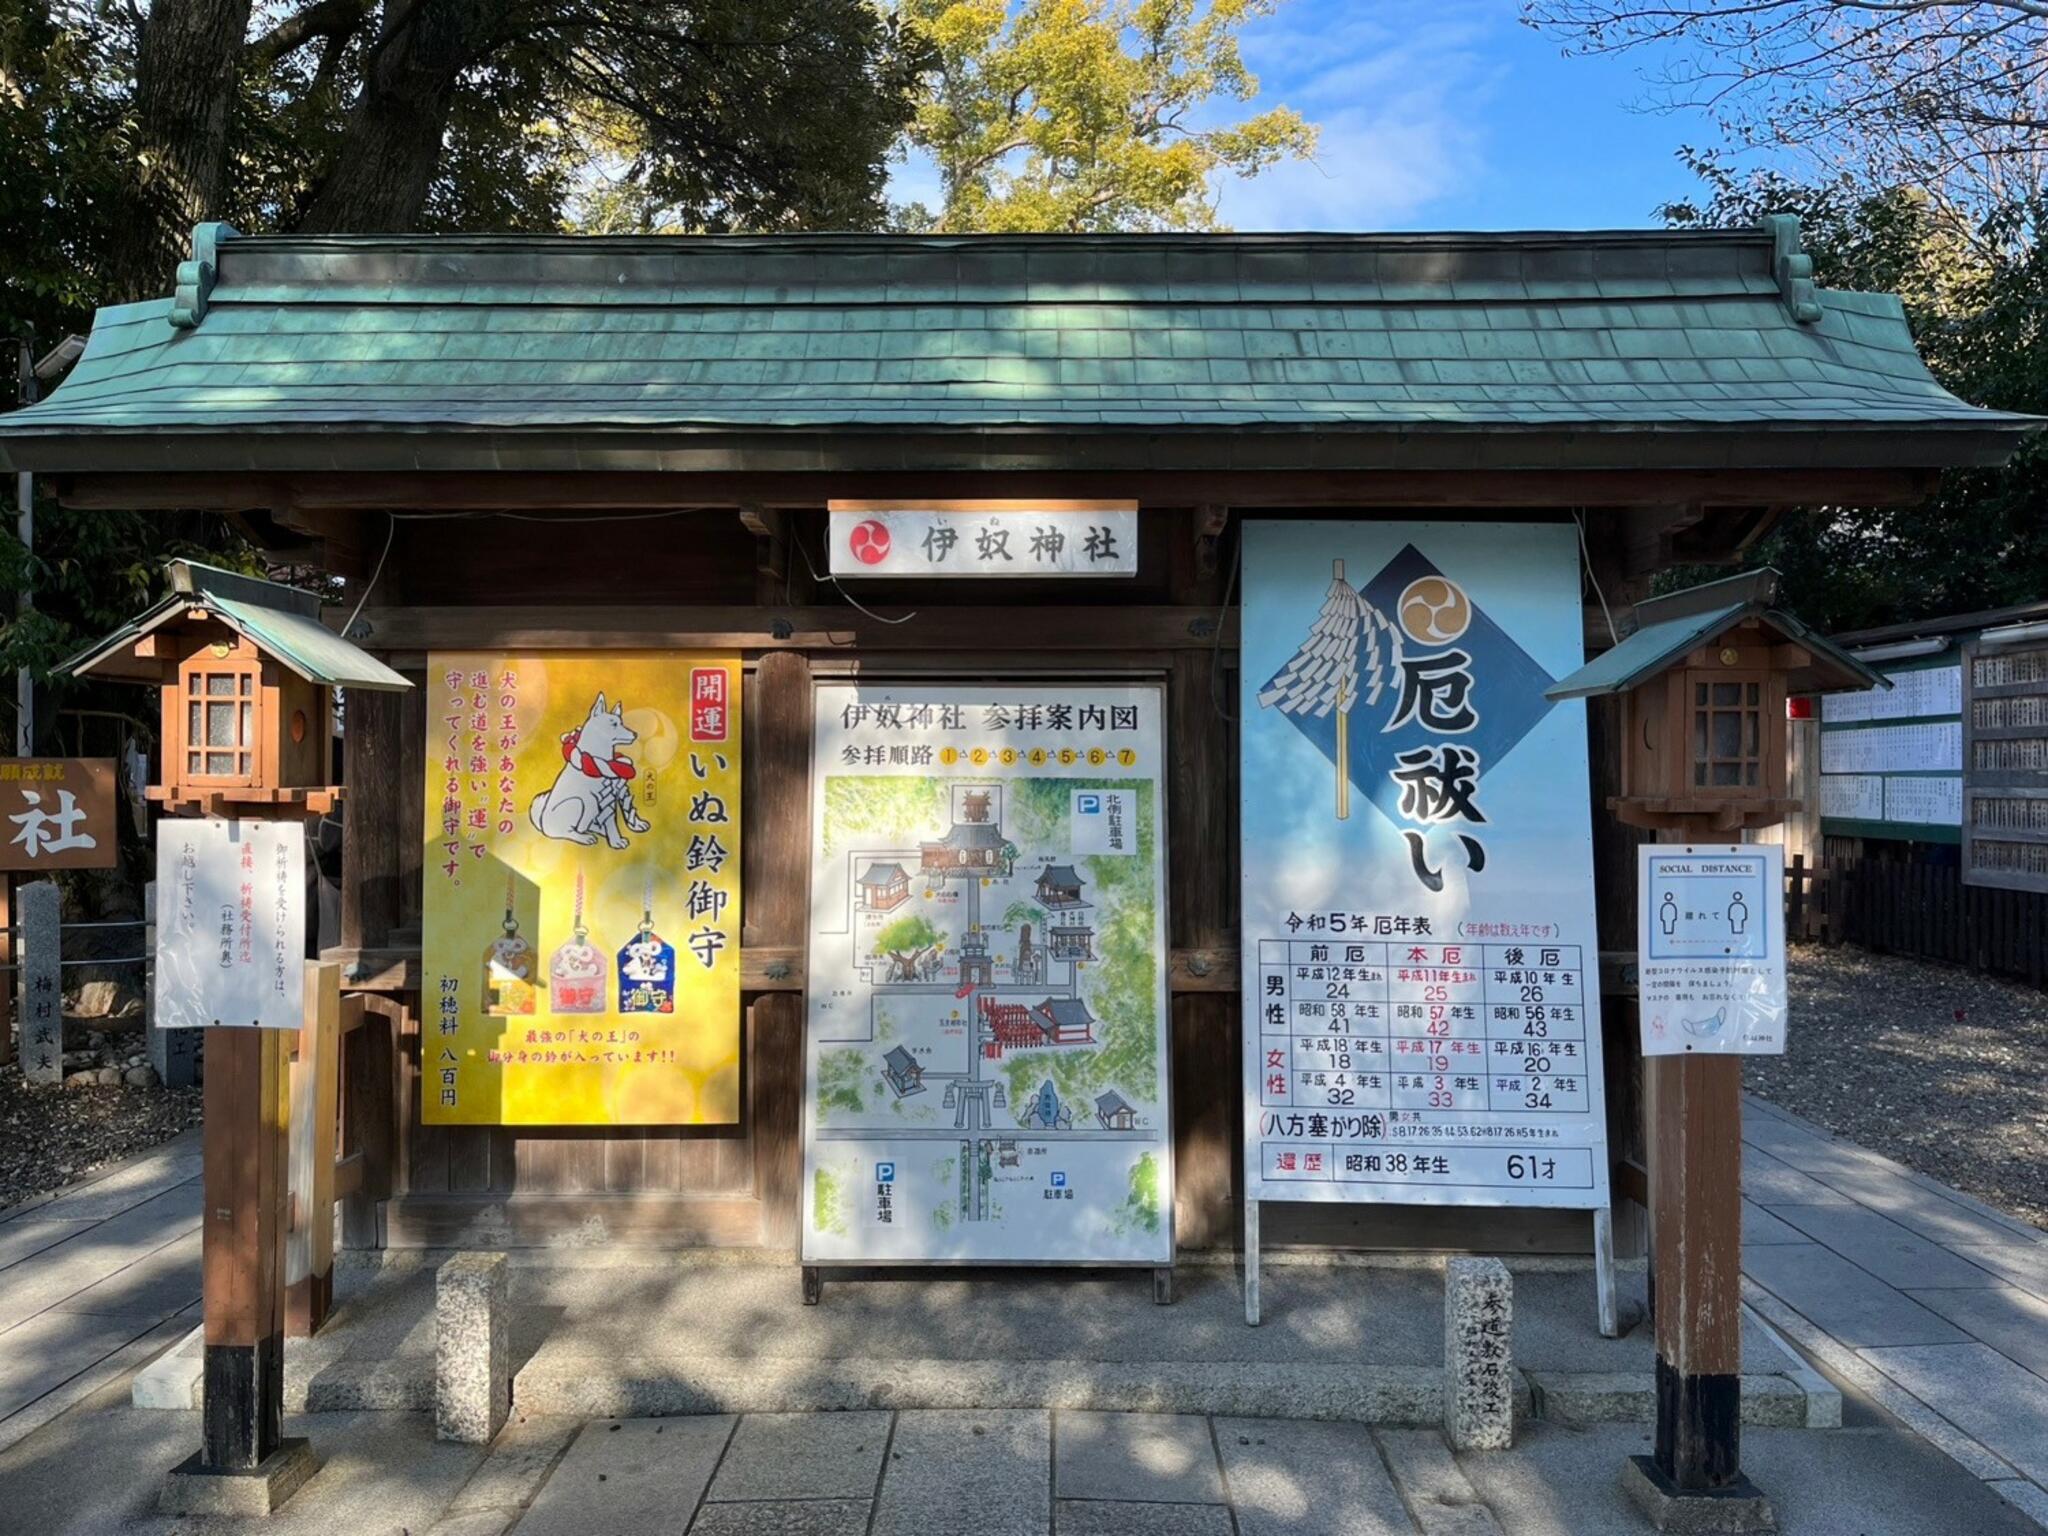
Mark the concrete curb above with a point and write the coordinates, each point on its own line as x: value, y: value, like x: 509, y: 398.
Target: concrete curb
x: 645, y: 1386
x: 1630, y: 1397
x: 174, y: 1378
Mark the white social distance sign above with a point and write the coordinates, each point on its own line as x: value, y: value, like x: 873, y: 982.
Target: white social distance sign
x: 1710, y: 949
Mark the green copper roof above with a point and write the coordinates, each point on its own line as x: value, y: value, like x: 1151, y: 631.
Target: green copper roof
x: 1670, y: 626
x: 318, y: 353
x: 281, y: 621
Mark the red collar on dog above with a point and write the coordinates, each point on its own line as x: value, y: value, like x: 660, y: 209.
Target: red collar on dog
x: 594, y: 767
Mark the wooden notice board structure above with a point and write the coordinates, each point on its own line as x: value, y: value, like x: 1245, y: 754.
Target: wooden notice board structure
x: 546, y: 444
x: 1702, y: 681
x: 246, y: 675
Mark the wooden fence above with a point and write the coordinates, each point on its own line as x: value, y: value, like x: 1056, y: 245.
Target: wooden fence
x: 1894, y: 907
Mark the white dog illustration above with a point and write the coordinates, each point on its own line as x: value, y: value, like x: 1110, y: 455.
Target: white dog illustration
x: 592, y: 794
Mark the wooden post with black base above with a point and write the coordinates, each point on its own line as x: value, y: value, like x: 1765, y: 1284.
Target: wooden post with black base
x: 245, y: 1465
x: 1694, y: 1481
x: 1702, y: 680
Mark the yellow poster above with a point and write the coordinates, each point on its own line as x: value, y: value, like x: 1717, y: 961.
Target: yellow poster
x: 581, y: 954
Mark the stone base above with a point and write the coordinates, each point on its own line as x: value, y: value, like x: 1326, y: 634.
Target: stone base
x: 192, y: 1489
x: 1736, y: 1510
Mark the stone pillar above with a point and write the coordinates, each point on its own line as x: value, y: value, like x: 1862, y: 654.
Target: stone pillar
x: 42, y: 985
x: 473, y: 1364
x: 1479, y: 1355
x: 173, y: 1052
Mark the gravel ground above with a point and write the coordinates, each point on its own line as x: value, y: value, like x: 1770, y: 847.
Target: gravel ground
x: 1938, y: 1068
x: 51, y: 1136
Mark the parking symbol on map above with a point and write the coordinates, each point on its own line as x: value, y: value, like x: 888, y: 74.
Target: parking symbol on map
x: 1059, y: 1181
x: 885, y: 1173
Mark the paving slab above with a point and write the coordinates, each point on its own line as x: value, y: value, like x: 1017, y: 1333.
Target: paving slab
x: 2021, y: 1264
x: 1092, y: 1517
x: 978, y: 1472
x: 156, y: 1286
x: 1439, y: 1495
x: 519, y: 1462
x: 1912, y: 1204
x: 47, y: 1351
x: 1559, y: 1481
x: 89, y: 1257
x: 1151, y: 1458
x: 1759, y: 1226
x: 1854, y: 1306
x: 800, y: 1517
x: 1880, y: 1245
x: 1287, y: 1477
x: 2003, y: 1406
x: 2012, y: 1321
x: 629, y: 1477
x: 1768, y: 1181
x: 777, y: 1456
x: 121, y: 1188
x: 24, y: 1239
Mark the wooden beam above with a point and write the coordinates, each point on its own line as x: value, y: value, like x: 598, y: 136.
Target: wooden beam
x: 541, y: 1221
x: 315, y: 1112
x: 415, y: 631
x: 1204, y: 970
x: 486, y: 490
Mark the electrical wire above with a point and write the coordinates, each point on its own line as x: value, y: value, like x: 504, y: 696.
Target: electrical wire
x: 841, y: 586
x: 1579, y: 521
x: 390, y: 533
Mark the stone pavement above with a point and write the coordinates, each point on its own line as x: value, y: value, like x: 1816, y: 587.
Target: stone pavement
x: 96, y: 1280
x: 1920, y: 1303
x: 955, y: 1472
x: 1920, y: 1299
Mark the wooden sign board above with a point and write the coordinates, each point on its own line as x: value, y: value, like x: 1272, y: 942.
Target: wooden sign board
x: 983, y: 539
x: 58, y: 813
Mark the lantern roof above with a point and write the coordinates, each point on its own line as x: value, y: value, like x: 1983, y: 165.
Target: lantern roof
x: 1669, y: 627
x: 283, y: 622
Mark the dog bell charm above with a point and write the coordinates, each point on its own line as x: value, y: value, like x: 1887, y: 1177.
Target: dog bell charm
x: 576, y: 973
x: 509, y: 966
x: 647, y: 967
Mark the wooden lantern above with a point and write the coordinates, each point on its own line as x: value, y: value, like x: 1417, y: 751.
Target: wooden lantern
x: 1703, y: 682
x: 246, y: 674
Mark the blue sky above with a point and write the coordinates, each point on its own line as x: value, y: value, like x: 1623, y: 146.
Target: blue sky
x: 1449, y: 114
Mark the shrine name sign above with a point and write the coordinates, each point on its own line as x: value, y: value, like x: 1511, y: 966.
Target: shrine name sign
x: 57, y: 813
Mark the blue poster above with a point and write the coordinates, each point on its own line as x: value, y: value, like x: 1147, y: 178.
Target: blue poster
x: 1421, y: 965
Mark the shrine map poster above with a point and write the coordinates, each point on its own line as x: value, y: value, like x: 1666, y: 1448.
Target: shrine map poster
x: 985, y: 1049
x: 1421, y: 1000
x: 581, y: 954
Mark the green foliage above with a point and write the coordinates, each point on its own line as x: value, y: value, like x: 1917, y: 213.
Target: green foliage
x: 908, y: 934
x: 1021, y: 912
x: 1078, y: 115
x: 1140, y: 1209
x: 1121, y: 987
x: 827, y: 1212
x: 873, y: 809
x: 842, y: 1082
x: 1973, y: 296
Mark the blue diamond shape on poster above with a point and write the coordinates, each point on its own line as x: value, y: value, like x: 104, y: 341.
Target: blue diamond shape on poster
x: 1507, y: 694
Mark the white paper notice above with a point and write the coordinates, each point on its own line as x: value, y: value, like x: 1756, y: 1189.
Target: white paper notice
x: 1710, y: 949
x: 231, y: 923
x: 1936, y: 747
x: 1934, y: 802
x: 1852, y: 796
x: 1925, y: 691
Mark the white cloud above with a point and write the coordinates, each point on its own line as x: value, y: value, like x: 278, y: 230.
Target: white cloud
x: 1394, y: 88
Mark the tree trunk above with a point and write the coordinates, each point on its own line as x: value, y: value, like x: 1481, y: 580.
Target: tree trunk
x: 184, y: 89
x: 391, y: 147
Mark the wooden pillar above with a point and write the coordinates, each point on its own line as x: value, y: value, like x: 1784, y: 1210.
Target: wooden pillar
x: 1695, y: 1177
x: 775, y: 856
x: 7, y: 973
x: 315, y: 1093
x: 1693, y: 1116
x: 242, y: 1246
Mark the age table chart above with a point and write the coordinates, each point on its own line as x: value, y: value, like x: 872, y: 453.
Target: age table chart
x: 1442, y: 1065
